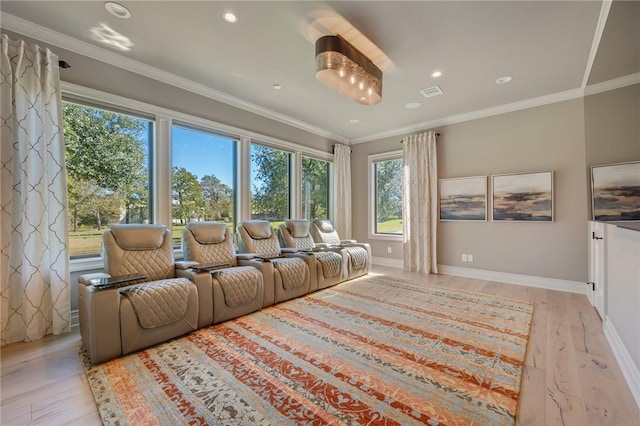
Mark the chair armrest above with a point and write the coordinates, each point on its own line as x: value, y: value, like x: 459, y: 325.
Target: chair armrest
x: 102, y: 283
x: 348, y: 241
x: 185, y: 264
x: 86, y: 278
x: 210, y: 267
x: 321, y: 246
x: 300, y: 254
x: 245, y: 256
x: 289, y: 250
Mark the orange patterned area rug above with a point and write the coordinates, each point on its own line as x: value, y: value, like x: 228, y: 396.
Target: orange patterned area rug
x: 376, y: 350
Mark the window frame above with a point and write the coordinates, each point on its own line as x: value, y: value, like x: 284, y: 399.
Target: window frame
x: 161, y: 157
x: 372, y: 160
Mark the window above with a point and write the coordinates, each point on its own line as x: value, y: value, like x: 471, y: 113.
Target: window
x: 386, y: 195
x: 132, y: 162
x: 270, y: 184
x: 203, y: 176
x: 315, y: 188
x: 107, y: 159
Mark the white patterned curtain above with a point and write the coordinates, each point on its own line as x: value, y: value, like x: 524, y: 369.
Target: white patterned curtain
x: 420, y: 203
x: 34, y: 259
x: 342, y: 193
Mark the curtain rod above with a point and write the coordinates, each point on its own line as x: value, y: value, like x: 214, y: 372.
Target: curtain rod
x: 437, y: 134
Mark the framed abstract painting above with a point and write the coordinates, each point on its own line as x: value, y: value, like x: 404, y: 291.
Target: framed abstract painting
x: 526, y: 197
x: 615, y: 192
x: 463, y: 198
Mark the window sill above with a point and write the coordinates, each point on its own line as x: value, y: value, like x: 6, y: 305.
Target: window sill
x: 85, y: 264
x: 386, y: 237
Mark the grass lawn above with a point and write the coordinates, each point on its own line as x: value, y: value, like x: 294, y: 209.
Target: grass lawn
x: 390, y: 226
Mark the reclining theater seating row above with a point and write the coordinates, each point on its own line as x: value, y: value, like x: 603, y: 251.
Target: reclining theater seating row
x: 164, y: 299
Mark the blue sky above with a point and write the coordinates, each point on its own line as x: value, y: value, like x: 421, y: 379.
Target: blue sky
x: 203, y: 153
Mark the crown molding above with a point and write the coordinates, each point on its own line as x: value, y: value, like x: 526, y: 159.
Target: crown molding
x: 38, y: 32
x: 597, y: 37
x: 474, y: 115
x: 616, y: 83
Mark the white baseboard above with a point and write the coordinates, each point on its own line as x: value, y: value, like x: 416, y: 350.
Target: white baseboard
x: 75, y: 318
x: 383, y: 261
x: 629, y: 368
x: 503, y: 277
x: 519, y: 279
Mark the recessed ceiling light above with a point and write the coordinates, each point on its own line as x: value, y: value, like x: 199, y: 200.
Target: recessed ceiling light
x: 436, y: 74
x: 116, y: 9
x: 413, y: 105
x: 230, y: 17
x: 354, y: 121
x: 504, y: 79
x: 277, y: 86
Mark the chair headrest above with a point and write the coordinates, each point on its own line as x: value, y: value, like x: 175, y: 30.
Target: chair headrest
x: 139, y: 237
x: 208, y: 232
x: 258, y: 229
x: 324, y: 225
x: 298, y: 228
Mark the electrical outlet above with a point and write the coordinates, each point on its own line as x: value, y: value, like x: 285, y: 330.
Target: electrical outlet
x: 469, y: 258
x: 389, y: 250
x: 464, y: 257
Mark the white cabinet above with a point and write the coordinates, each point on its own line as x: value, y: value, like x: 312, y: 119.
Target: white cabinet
x: 614, y: 275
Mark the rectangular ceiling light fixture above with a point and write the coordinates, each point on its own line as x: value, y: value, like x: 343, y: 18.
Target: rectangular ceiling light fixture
x: 346, y: 70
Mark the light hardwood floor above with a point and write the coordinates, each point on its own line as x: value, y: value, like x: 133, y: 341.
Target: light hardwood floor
x: 571, y: 376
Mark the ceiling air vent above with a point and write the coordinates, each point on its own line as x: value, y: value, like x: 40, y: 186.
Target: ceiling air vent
x: 431, y: 91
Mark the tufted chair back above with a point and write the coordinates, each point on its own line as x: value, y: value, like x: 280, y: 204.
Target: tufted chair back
x: 257, y: 236
x: 323, y: 232
x: 208, y: 242
x: 295, y: 233
x: 138, y: 249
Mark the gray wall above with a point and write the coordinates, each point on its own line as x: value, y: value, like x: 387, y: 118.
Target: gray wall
x: 549, y: 137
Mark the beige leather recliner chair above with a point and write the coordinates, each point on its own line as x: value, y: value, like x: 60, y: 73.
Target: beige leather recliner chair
x: 124, y: 317
x: 331, y: 265
x: 359, y: 254
x: 235, y: 290
x: 291, y: 271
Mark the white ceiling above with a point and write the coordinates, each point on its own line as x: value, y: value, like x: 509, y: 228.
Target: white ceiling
x: 545, y: 45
